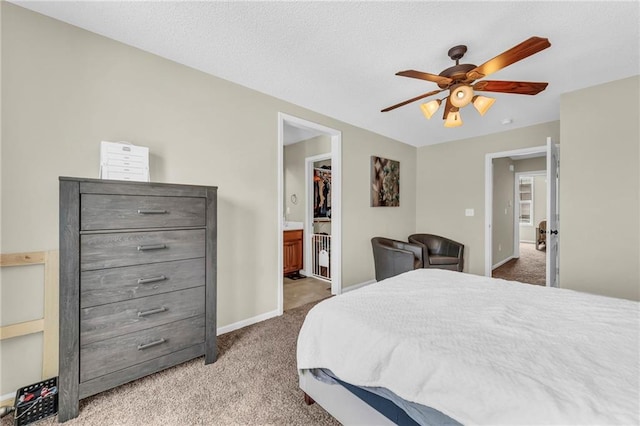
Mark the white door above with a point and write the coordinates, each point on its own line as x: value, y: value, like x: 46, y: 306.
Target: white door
x: 552, y: 213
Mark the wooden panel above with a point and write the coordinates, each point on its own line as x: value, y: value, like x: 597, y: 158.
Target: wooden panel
x: 117, y: 284
x: 19, y: 259
x: 97, y: 186
x: 107, y: 356
x: 211, y: 350
x: 51, y: 317
x: 135, y: 211
x: 21, y: 329
x: 69, y: 295
x: 115, y: 319
x: 292, y: 251
x: 91, y: 387
x: 293, y: 235
x: 125, y: 249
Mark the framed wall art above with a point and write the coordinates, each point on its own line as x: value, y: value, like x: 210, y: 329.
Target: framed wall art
x: 385, y: 182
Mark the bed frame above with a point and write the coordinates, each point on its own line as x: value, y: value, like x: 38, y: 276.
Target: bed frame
x: 344, y: 406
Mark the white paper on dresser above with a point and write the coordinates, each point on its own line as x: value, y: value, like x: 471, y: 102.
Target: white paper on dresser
x: 124, y: 161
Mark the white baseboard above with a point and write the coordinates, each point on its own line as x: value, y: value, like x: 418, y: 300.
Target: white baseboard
x: 272, y: 314
x: 527, y: 241
x: 10, y: 396
x: 246, y: 322
x: 357, y: 286
x: 497, y: 265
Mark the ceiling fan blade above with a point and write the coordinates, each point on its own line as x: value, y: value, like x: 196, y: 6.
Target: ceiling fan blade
x: 425, y: 76
x: 417, y: 98
x: 516, y: 87
x: 515, y: 54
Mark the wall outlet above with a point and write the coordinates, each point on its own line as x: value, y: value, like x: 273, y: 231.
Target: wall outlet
x: 499, y: 247
x: 469, y: 212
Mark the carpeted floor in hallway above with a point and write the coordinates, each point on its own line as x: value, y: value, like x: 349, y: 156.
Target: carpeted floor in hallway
x: 253, y: 382
x: 529, y: 268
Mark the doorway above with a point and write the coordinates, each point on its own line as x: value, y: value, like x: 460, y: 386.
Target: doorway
x: 527, y: 260
x: 504, y: 243
x: 291, y: 130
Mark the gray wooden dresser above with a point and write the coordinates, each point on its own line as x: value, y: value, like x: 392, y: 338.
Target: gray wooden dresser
x: 137, y: 282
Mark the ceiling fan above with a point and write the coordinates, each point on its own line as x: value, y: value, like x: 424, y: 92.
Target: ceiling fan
x: 459, y: 80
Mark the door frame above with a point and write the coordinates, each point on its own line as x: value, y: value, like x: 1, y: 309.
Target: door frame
x: 336, y: 200
x: 488, y: 198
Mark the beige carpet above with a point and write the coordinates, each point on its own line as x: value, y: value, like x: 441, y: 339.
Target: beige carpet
x: 529, y: 268
x: 253, y: 382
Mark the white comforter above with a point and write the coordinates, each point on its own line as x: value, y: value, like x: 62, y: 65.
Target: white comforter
x: 483, y: 351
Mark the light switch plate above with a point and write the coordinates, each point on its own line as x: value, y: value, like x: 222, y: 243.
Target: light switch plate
x: 469, y: 212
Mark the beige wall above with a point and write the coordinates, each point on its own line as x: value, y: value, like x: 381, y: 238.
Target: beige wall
x: 530, y: 165
x: 451, y: 178
x: 503, y: 203
x: 600, y: 188
x: 65, y: 90
x: 294, y: 173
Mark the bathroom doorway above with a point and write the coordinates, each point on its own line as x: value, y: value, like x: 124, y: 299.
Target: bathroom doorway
x: 299, y: 143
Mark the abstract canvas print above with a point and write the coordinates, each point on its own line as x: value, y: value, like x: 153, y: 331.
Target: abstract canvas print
x: 385, y: 182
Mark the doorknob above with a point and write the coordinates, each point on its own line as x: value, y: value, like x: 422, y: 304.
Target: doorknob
x: 553, y: 232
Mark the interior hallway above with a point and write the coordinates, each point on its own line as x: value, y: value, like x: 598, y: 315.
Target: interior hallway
x: 529, y: 268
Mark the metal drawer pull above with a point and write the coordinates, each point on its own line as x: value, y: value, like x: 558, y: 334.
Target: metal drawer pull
x: 151, y: 211
x: 152, y: 247
x: 144, y: 346
x: 152, y: 311
x: 151, y: 279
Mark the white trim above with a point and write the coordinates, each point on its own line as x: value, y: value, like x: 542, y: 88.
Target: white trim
x: 527, y: 242
x: 246, y: 322
x: 357, y: 286
x: 336, y: 201
x: 499, y: 264
x: 10, y: 395
x: 488, y: 197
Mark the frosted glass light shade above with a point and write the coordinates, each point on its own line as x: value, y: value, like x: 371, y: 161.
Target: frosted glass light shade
x: 461, y: 96
x: 453, y: 119
x: 429, y: 108
x: 482, y: 103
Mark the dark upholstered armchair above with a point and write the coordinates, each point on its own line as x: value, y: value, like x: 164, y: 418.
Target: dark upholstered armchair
x: 393, y: 257
x: 439, y: 252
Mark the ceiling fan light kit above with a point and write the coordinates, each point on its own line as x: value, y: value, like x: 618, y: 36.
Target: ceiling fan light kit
x: 430, y: 108
x: 461, y: 96
x: 459, y: 80
x: 482, y: 103
x: 453, y: 119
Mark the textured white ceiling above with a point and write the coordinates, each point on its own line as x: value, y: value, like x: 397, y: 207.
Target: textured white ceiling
x: 339, y: 58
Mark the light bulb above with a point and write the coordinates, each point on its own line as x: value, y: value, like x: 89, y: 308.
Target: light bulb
x: 453, y: 119
x: 461, y: 96
x: 482, y: 103
x: 429, y: 108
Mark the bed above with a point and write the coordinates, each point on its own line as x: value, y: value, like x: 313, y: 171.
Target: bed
x: 472, y: 350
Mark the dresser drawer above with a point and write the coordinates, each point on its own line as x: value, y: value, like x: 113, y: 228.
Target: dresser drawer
x: 135, y: 248
x: 131, y: 282
x: 107, y: 356
x: 133, y: 211
x: 115, y: 319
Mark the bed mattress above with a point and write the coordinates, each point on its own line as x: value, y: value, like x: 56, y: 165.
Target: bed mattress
x: 483, y: 350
